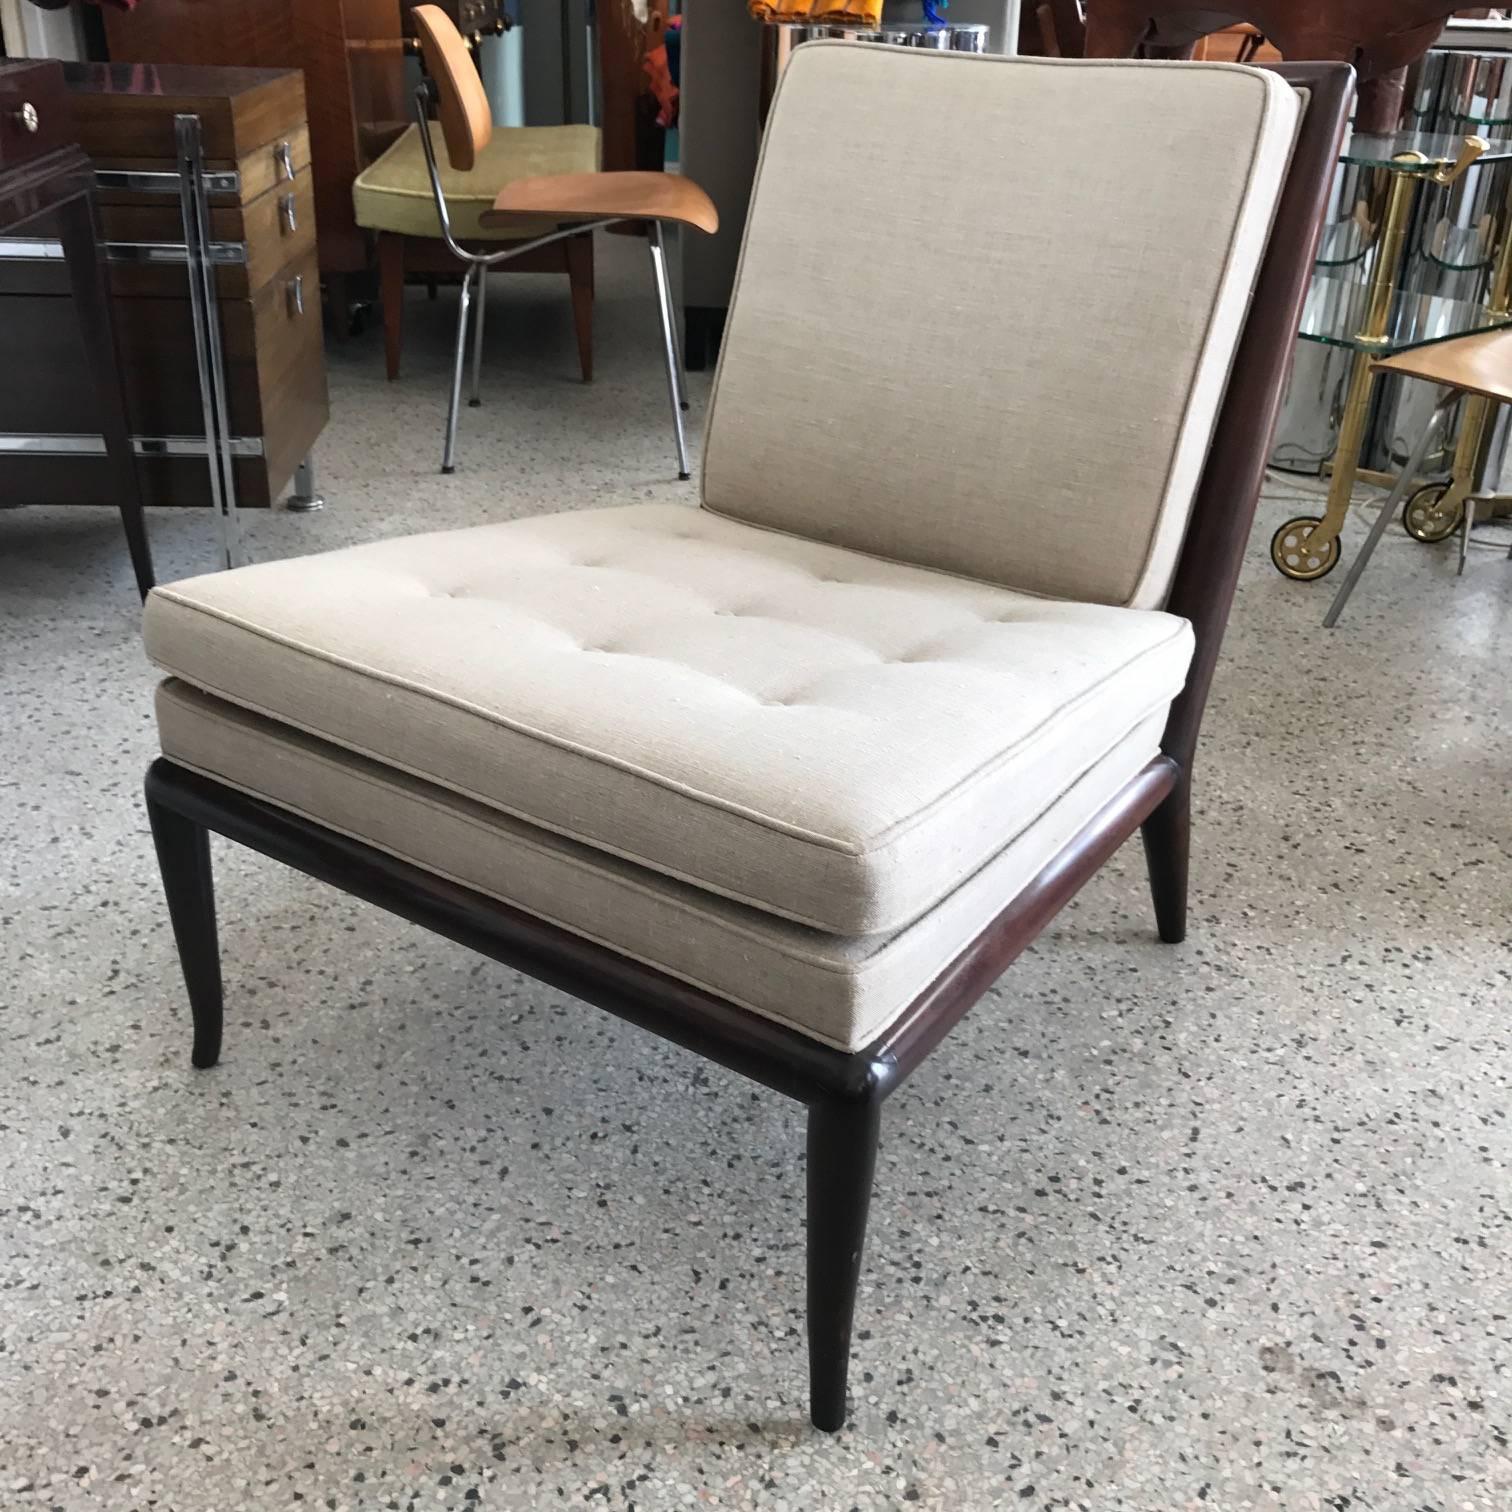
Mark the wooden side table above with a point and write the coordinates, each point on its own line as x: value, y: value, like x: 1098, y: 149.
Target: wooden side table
x: 45, y: 174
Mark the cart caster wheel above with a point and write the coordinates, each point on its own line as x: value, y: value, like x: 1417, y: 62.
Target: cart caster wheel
x: 1293, y: 555
x: 1425, y: 519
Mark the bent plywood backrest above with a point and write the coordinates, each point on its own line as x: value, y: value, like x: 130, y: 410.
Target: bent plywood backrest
x: 466, y: 119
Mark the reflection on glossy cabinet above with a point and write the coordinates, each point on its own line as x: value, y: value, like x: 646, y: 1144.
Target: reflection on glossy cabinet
x: 352, y: 55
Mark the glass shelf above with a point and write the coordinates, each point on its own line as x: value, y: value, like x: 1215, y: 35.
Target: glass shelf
x: 1437, y: 147
x: 1335, y: 313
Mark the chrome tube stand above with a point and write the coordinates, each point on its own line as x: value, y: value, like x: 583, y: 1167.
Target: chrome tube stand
x: 204, y: 308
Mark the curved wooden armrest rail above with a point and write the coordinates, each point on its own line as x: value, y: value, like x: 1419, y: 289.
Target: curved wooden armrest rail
x: 595, y: 196
x: 1478, y: 364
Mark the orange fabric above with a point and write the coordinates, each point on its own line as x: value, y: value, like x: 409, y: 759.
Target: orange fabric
x: 659, y: 72
x: 784, y: 11
x: 849, y: 12
x: 858, y: 12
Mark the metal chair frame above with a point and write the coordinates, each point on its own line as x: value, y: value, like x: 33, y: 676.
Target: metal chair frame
x: 474, y: 294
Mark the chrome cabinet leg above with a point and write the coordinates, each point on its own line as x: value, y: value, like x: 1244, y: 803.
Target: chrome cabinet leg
x: 1406, y: 481
x: 669, y: 342
x: 1465, y: 529
x: 204, y: 308
x: 448, y: 456
x: 305, y: 496
x: 481, y: 302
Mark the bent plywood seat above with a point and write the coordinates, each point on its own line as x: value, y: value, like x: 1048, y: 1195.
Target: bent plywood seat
x: 591, y: 196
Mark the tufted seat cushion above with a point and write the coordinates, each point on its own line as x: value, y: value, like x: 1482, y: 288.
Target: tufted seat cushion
x: 802, y: 729
x: 393, y: 193
x: 835, y: 988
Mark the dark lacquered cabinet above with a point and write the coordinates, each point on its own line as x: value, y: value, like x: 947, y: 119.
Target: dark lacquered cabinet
x: 261, y: 221
x: 46, y: 191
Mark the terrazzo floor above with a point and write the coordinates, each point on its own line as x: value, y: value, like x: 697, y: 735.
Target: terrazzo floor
x: 1218, y: 1227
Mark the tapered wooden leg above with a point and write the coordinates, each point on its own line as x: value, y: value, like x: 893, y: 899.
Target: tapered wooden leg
x: 580, y: 275
x: 339, y: 301
x: 183, y: 851
x: 1167, y: 837
x: 391, y: 293
x: 842, y: 1158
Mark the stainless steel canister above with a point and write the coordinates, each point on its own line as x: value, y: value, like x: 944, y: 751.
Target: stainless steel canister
x: 935, y: 38
x: 972, y: 39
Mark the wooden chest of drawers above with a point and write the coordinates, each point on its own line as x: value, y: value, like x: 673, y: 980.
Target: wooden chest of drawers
x: 262, y: 231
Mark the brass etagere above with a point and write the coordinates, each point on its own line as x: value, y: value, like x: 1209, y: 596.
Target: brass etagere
x: 1374, y: 318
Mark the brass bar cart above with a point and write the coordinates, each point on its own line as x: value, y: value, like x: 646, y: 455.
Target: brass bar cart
x: 1374, y: 318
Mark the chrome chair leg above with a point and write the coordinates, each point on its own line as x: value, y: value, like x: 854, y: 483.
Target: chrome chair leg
x: 679, y: 366
x: 669, y: 342
x: 480, y: 299
x: 1465, y: 529
x: 1406, y: 480
x: 449, y: 455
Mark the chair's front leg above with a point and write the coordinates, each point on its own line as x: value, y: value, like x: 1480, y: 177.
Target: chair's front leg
x: 449, y: 455
x: 1167, y: 836
x: 669, y: 342
x: 842, y: 1158
x: 480, y: 307
x: 183, y: 851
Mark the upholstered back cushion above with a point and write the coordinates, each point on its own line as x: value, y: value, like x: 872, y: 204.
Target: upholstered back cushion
x: 987, y: 307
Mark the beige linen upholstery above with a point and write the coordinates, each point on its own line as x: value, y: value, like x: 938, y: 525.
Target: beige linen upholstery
x: 840, y: 990
x: 801, y: 745
x: 394, y: 193
x: 1064, y: 278
x: 810, y: 731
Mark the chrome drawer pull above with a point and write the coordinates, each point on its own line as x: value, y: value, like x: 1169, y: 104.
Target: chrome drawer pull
x: 283, y: 155
x: 286, y: 212
x: 294, y: 293
x: 27, y: 118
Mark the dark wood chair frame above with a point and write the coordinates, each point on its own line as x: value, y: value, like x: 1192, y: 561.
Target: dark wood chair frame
x: 843, y: 1091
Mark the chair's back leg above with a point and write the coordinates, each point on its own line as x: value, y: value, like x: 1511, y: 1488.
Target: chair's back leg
x: 480, y: 307
x: 578, y: 252
x: 183, y: 851
x: 842, y: 1158
x: 1167, y: 835
x: 391, y: 294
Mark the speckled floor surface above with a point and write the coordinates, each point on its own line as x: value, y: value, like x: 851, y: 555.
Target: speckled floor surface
x: 1225, y: 1226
